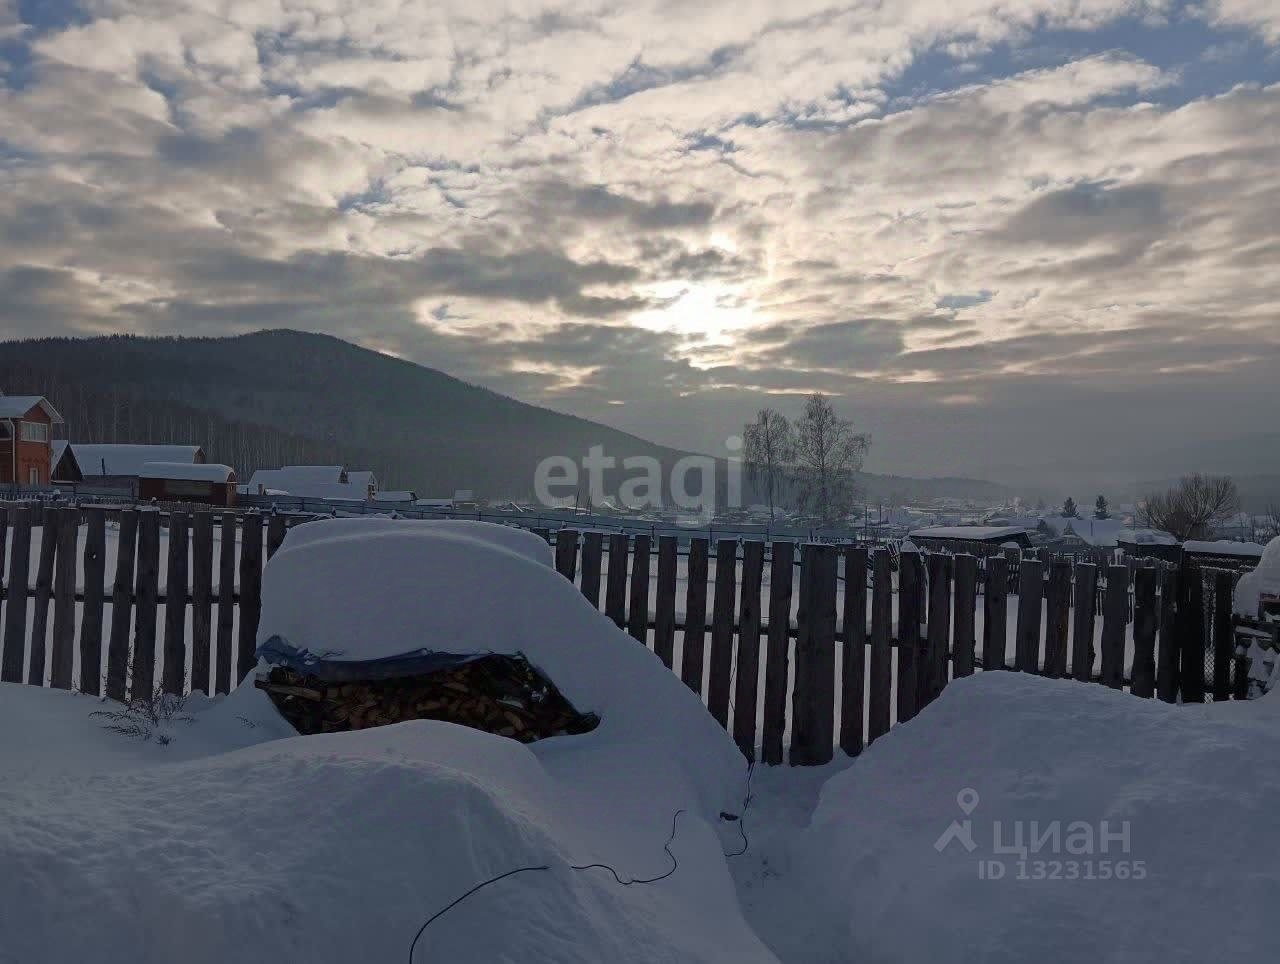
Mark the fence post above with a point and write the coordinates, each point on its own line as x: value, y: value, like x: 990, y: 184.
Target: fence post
x: 853, y: 672
x: 910, y: 608
x: 1059, y: 618
x: 145, y: 600
x: 122, y: 606
x: 995, y: 613
x: 1030, y: 596
x: 1142, y: 682
x: 1223, y: 634
x: 881, y: 686
x: 43, y: 594
x: 939, y: 629
x: 592, y: 550
x: 1115, y: 622
x: 567, y: 553
x: 1082, y: 631
x: 173, y: 677
x: 720, y: 675
x: 695, y: 617
x: 1167, y: 671
x: 638, y: 608
x: 615, y: 595
x: 664, y: 623
x: 95, y: 564
x: 15, y: 614
x: 775, y: 673
x: 748, y: 675
x: 966, y: 567
x: 201, y: 600
x: 226, y: 603
x: 813, y: 708
x: 276, y: 531
x: 64, y: 601
x: 250, y: 593
x: 1191, y: 632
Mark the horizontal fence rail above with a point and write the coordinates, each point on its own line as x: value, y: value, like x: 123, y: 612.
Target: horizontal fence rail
x: 796, y: 648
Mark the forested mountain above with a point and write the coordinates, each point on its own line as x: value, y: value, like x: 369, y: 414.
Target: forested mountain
x: 278, y: 397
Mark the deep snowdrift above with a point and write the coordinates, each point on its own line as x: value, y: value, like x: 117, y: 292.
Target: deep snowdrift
x: 336, y: 848
x: 1197, y: 785
x: 1265, y: 579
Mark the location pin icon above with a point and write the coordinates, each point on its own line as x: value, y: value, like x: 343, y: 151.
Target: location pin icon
x: 968, y: 800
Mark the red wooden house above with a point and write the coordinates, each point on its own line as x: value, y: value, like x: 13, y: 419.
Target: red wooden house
x: 26, y: 435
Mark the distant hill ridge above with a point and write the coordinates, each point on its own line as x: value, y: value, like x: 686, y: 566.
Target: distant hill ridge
x: 280, y: 396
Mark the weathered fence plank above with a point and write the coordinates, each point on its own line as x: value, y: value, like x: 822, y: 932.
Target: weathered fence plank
x: 174, y: 672
x: 664, y: 626
x: 1145, y: 620
x: 881, y: 682
x: 995, y: 613
x: 63, y: 659
x: 1057, y: 619
x: 122, y: 606
x: 775, y: 673
x: 15, y: 614
x: 1223, y: 634
x: 201, y: 600
x: 939, y: 629
x: 567, y: 553
x: 1167, y: 669
x: 638, y: 608
x: 42, y: 596
x: 747, y: 678
x: 95, y: 565
x: 1191, y: 632
x: 592, y: 550
x: 812, y: 703
x: 226, y: 605
x: 250, y: 593
x: 853, y: 665
x: 1115, y: 622
x: 276, y: 531
x: 615, y: 594
x: 966, y: 568
x: 1082, y: 631
x: 1030, y: 598
x: 911, y: 665
x: 695, y: 617
x: 145, y: 599
x: 720, y: 671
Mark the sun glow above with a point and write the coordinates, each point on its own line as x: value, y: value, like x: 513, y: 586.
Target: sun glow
x: 708, y: 309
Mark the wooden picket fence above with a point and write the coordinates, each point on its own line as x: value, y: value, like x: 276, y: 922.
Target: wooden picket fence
x: 768, y: 679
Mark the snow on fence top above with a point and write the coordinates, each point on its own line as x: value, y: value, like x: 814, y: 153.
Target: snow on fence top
x: 1223, y: 547
x: 199, y: 472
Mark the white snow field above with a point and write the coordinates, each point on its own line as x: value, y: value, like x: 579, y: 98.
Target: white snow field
x: 1193, y: 879
x: 236, y: 842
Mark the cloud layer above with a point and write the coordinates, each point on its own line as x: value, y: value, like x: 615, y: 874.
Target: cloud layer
x: 999, y: 231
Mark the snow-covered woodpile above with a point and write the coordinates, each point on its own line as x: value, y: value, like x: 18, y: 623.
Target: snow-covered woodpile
x: 499, y: 694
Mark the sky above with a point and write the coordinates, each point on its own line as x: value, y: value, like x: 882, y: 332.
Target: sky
x: 1011, y: 238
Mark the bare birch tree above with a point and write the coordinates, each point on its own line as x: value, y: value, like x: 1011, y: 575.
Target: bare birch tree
x: 767, y: 452
x: 1193, y: 507
x: 828, y: 453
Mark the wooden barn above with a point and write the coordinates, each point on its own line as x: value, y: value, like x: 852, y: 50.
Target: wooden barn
x: 64, y: 467
x: 119, y: 465
x: 26, y: 437
x: 980, y: 540
x: 208, y: 483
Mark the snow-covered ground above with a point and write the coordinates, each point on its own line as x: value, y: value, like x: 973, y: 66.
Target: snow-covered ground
x: 238, y: 841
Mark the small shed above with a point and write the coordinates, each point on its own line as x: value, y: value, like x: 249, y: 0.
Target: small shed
x: 64, y: 467
x: 1223, y: 553
x: 1149, y: 544
x: 212, y: 484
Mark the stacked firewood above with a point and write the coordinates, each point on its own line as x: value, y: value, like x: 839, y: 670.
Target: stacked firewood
x: 497, y: 694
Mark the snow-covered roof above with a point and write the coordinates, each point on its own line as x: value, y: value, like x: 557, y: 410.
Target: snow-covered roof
x: 1144, y: 537
x: 57, y: 449
x: 16, y: 406
x: 1096, y: 532
x: 362, y: 479
x: 1224, y: 547
x: 971, y: 533
x: 290, y: 478
x: 111, y: 459
x: 186, y: 471
x: 394, y: 495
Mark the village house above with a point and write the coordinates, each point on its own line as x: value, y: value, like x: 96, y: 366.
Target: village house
x: 26, y: 435
x: 207, y: 483
x: 119, y: 465
x: 314, y: 482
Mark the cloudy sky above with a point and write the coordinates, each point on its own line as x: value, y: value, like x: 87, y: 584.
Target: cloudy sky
x: 1012, y: 236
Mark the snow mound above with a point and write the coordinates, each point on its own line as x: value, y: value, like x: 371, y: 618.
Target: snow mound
x: 1196, y: 786
x: 520, y: 541
x: 336, y: 849
x: 1264, y: 580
